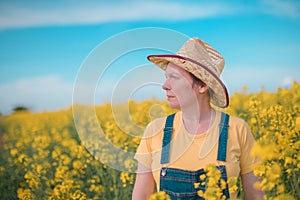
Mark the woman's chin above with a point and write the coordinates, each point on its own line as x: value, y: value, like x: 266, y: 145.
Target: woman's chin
x: 174, y: 105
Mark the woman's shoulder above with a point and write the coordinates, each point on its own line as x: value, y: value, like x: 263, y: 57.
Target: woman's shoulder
x: 233, y: 120
x: 155, y: 126
x: 157, y: 123
x: 239, y: 126
x: 236, y: 121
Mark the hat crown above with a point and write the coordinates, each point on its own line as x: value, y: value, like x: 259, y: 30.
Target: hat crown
x: 201, y: 52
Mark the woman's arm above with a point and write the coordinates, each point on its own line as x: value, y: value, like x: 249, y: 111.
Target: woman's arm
x: 144, y: 184
x: 250, y: 192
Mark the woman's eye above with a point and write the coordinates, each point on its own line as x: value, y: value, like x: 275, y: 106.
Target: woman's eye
x: 174, y: 76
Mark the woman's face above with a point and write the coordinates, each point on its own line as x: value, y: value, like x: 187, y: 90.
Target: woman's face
x: 179, y: 87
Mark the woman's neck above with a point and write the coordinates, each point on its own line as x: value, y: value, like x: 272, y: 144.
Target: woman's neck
x: 197, y: 121
x: 198, y: 111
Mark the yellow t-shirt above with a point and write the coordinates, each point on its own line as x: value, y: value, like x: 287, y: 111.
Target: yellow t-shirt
x: 193, y: 152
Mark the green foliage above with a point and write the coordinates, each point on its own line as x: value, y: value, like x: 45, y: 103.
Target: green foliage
x: 20, y: 109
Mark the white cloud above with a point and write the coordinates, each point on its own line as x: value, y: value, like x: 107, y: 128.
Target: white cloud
x: 38, y: 93
x: 85, y: 12
x: 13, y: 15
x: 256, y: 78
x: 287, y: 81
x: 52, y: 92
x: 290, y: 8
x: 142, y: 82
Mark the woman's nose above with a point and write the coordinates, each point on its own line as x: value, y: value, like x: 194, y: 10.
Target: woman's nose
x: 166, y: 85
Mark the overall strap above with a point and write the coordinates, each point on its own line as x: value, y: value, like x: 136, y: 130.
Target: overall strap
x: 165, y: 153
x: 223, y: 137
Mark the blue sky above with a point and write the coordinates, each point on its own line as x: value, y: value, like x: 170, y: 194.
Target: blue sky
x: 44, y: 44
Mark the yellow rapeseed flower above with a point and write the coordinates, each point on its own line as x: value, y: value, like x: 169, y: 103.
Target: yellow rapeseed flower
x: 202, y: 177
x: 232, y: 184
x: 25, y: 194
x: 43, y: 146
x: 196, y: 185
x: 161, y: 195
x: 13, y: 152
x: 78, y: 195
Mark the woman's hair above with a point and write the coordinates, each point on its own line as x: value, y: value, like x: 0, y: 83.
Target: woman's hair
x: 196, y: 80
x: 200, y: 82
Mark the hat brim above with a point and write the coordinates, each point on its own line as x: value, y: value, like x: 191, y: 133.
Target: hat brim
x: 219, y: 97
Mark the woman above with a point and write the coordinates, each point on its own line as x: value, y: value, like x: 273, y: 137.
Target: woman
x: 174, y: 150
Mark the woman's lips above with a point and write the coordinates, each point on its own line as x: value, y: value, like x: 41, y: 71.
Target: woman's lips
x: 169, y: 97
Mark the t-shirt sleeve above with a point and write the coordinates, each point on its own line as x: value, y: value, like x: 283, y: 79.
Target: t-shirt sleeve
x: 143, y: 154
x: 247, y: 161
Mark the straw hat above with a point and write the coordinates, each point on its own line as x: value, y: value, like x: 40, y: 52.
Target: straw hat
x: 200, y: 59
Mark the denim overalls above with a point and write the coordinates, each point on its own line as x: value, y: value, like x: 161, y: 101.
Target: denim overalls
x: 178, y: 183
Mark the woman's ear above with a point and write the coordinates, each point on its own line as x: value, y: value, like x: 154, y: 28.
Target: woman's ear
x: 203, y: 88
